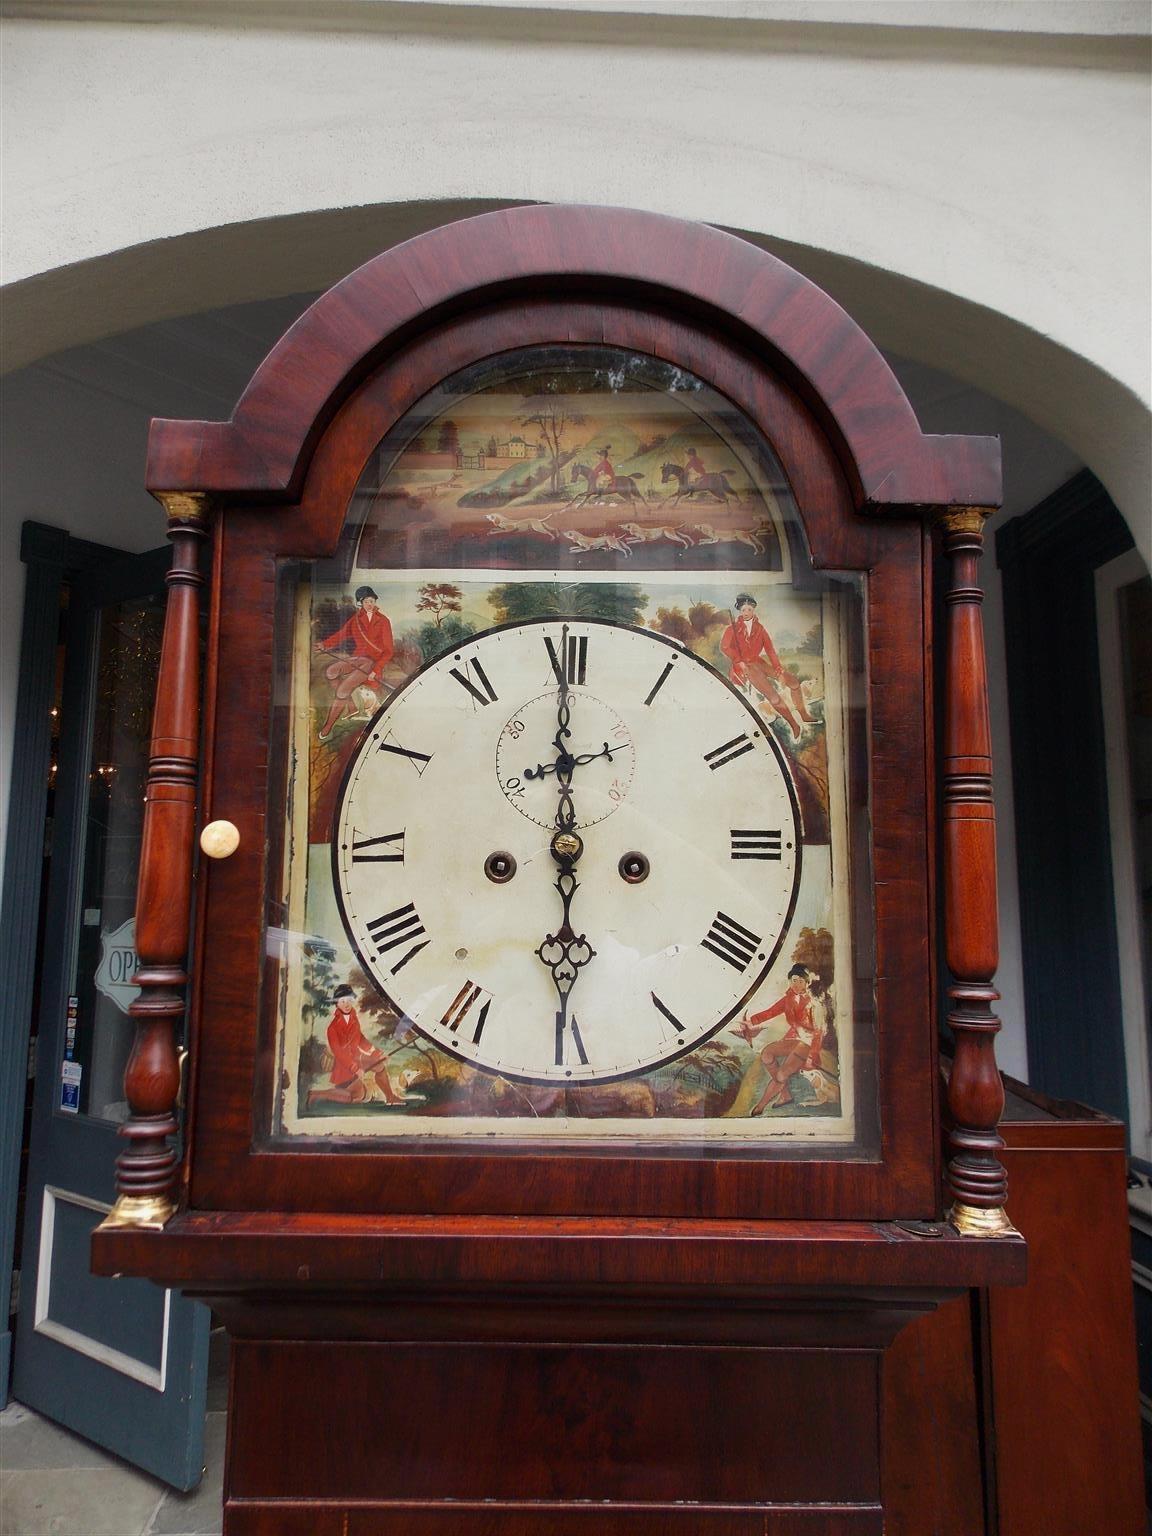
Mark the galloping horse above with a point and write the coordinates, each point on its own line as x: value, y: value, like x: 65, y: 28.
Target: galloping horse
x: 620, y: 485
x: 715, y: 485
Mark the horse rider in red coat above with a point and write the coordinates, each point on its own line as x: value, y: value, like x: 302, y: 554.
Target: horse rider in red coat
x: 370, y: 635
x: 694, y: 465
x: 748, y: 646
x: 603, y: 468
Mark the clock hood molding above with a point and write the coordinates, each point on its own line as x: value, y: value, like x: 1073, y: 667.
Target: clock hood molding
x: 524, y: 253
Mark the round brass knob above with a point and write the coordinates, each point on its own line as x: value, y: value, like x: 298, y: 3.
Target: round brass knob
x: 220, y: 839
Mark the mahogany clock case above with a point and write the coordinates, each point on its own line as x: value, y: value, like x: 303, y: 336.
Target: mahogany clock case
x: 566, y: 1318
x: 892, y: 1168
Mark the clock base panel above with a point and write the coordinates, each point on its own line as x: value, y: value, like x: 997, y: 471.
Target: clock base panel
x: 409, y: 1375
x: 364, y: 1437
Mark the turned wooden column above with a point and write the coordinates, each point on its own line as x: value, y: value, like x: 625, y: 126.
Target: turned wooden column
x: 146, y: 1168
x: 976, y: 1176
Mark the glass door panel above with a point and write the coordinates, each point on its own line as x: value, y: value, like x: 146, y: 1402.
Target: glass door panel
x: 121, y: 1362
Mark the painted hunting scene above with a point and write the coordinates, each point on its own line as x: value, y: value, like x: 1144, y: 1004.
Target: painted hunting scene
x: 358, y: 1063
x: 568, y: 473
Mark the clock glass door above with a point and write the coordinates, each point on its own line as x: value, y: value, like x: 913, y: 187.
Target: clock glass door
x: 573, y: 797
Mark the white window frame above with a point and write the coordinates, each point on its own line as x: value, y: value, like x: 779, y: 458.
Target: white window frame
x: 95, y: 1349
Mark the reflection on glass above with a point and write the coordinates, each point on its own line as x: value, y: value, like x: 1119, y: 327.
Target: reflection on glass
x: 99, y: 1032
x: 586, y: 530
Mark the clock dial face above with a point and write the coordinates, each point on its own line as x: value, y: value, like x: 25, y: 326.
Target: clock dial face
x: 455, y: 891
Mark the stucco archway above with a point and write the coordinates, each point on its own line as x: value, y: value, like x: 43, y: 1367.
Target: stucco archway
x: 1070, y: 396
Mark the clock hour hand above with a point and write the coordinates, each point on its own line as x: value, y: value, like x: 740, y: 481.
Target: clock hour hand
x: 565, y: 760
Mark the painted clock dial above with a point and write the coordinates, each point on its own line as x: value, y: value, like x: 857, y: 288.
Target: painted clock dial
x: 673, y: 892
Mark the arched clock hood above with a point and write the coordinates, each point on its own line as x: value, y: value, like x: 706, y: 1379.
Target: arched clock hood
x: 521, y: 254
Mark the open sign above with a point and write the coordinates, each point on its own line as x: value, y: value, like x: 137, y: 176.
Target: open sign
x: 118, y: 965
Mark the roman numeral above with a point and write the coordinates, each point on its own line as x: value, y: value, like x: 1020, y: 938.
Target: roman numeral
x: 574, y: 667
x: 677, y: 1027
x: 462, y: 1005
x: 377, y: 842
x: 755, y: 845
x: 659, y: 683
x: 396, y: 928
x: 419, y: 760
x: 485, y: 697
x: 731, y: 941
x: 728, y: 752
x: 562, y: 1038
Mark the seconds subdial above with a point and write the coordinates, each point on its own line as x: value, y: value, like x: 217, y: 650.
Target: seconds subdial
x: 528, y: 740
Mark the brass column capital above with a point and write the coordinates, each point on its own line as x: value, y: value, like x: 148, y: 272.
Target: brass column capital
x: 964, y: 519
x: 185, y: 508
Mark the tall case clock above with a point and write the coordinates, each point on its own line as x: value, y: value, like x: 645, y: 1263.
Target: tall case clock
x: 564, y: 1138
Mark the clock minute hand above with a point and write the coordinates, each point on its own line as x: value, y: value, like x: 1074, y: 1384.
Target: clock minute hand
x: 565, y: 760
x: 565, y: 952
x: 565, y: 821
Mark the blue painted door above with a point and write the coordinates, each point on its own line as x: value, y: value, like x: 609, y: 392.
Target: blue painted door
x: 121, y: 1362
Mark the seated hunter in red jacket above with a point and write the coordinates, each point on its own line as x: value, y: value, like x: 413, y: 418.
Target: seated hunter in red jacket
x: 748, y: 646
x: 370, y: 635
x: 799, y: 1047
x: 358, y: 1070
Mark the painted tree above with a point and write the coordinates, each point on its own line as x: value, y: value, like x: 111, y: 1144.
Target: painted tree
x: 435, y: 639
x: 439, y: 598
x: 552, y: 414
x: 674, y: 623
x: 623, y: 601
x: 329, y: 614
x: 814, y: 949
x: 704, y: 617
x: 813, y: 641
x: 448, y: 439
x: 371, y: 1004
x: 811, y: 759
x: 390, y: 1025
x: 319, y: 980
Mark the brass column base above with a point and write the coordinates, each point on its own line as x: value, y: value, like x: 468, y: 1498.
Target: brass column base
x: 981, y: 1221
x: 143, y: 1213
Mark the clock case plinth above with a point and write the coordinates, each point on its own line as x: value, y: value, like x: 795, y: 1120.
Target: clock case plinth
x: 564, y: 1376
x: 551, y: 1339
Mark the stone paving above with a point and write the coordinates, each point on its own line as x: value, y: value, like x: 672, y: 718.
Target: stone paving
x: 52, y: 1483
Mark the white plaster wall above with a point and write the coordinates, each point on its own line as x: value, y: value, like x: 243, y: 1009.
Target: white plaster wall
x: 1014, y: 178
x: 994, y: 153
